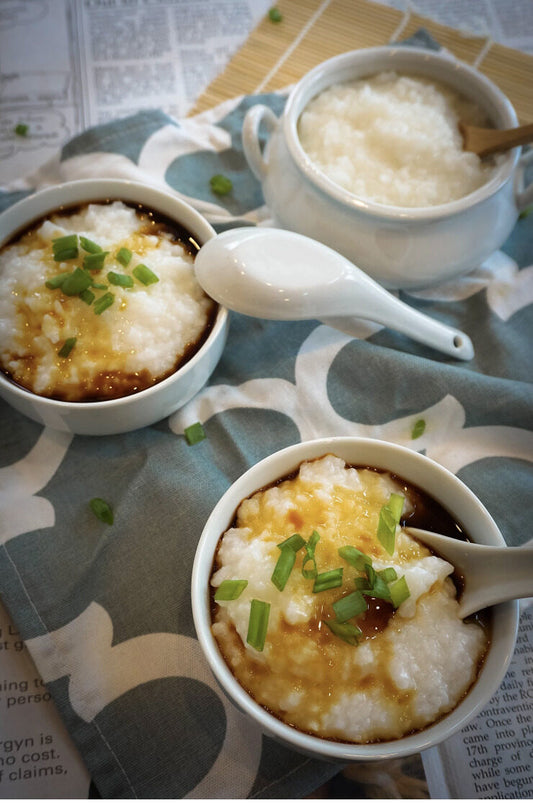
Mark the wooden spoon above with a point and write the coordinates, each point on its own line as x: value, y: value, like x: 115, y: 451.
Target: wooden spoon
x: 484, y: 141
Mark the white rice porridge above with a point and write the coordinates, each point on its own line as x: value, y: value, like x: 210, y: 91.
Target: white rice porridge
x: 75, y: 347
x: 393, y: 139
x: 407, y: 666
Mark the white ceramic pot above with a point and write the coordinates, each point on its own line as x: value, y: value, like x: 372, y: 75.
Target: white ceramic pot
x: 399, y: 247
x: 158, y: 401
x: 418, y: 470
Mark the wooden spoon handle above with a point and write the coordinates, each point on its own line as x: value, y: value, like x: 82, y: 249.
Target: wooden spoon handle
x: 485, y: 141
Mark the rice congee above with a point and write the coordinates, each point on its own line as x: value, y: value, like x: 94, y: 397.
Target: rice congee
x: 99, y: 302
x: 394, y: 139
x: 332, y: 617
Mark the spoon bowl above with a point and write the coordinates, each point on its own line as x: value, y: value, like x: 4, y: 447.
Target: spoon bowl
x: 490, y: 574
x: 280, y: 275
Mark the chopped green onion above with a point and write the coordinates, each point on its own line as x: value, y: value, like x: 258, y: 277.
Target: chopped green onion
x: 274, y: 15
x: 87, y: 296
x: 355, y: 557
x: 345, y: 630
x: 144, y: 274
x: 362, y: 584
x: 67, y: 347
x: 119, y: 279
x: 389, y: 517
x: 349, y: 606
x: 399, y: 591
x: 57, y: 280
x: 124, y: 256
x: 295, y: 542
x: 258, y: 624
x: 310, y: 547
x: 102, y: 303
x: 102, y: 510
x: 419, y: 428
x: 65, y: 247
x: 220, y: 185
x: 74, y: 284
x: 283, y: 567
x: 388, y: 575
x: 327, y: 580
x: 379, y: 588
x: 89, y: 245
x: 194, y: 434
x: 21, y: 129
x: 395, y: 503
x: 98, y: 285
x: 95, y: 261
x: 230, y: 589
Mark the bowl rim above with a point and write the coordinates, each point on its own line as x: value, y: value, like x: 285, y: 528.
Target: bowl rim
x: 91, y: 190
x: 324, y: 74
x: 279, y: 464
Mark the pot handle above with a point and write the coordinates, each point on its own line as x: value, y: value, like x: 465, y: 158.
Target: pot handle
x: 524, y: 194
x: 250, y: 137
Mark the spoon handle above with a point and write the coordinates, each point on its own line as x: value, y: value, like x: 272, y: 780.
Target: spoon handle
x: 485, y: 141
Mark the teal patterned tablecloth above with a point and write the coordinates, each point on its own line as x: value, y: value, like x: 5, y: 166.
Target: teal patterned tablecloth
x: 105, y: 611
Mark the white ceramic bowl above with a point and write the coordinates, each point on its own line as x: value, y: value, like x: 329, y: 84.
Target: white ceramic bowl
x: 160, y: 400
x: 398, y: 247
x: 444, y: 487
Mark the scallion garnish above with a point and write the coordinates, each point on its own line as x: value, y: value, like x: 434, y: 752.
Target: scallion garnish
x: 389, y: 517
x: 419, y: 427
x: 76, y: 282
x: 355, y: 557
x: 220, y: 185
x: 230, y: 589
x: 89, y: 245
x: 102, y: 510
x: 119, y: 279
x: 295, y: 542
x: 57, y: 280
x: 21, y: 129
x: 310, y: 547
x: 326, y: 580
x: 95, y: 261
x: 67, y: 347
x: 274, y: 15
x: 144, y: 274
x: 258, y: 624
x: 388, y: 575
x: 353, y: 604
x: 194, y: 434
x: 65, y: 247
x: 102, y: 303
x: 399, y: 591
x: 87, y: 296
x: 98, y: 285
x: 347, y: 631
x: 283, y: 567
x: 124, y: 256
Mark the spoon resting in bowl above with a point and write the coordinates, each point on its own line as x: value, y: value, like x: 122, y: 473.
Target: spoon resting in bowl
x: 280, y: 275
x: 485, y: 141
x: 490, y: 574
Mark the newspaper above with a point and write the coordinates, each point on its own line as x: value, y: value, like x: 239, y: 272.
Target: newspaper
x: 69, y: 64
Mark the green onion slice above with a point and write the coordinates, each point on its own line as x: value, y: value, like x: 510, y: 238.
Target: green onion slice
x: 388, y: 575
x: 283, y: 567
x: 295, y: 542
x: 399, y: 591
x: 89, y: 245
x: 389, y: 517
x: 102, y: 303
x: 194, y: 434
x: 327, y: 580
x: 87, y: 296
x: 419, y: 427
x: 230, y: 589
x: 258, y: 624
x: 351, y: 605
x: 98, y: 285
x: 355, y: 557
x: 21, y: 129
x: 220, y: 185
x: 65, y: 247
x: 362, y: 584
x: 347, y: 631
x: 102, y: 510
x: 67, y: 347
x: 94, y: 261
x: 78, y: 281
x: 310, y: 546
x: 124, y: 256
x: 144, y: 274
x: 275, y: 15
x: 57, y: 280
x: 119, y: 279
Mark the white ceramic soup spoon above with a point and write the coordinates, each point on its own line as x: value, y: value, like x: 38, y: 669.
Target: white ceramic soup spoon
x: 490, y: 574
x: 280, y: 275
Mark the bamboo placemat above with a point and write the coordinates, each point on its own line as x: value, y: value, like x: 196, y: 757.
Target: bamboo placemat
x: 277, y: 55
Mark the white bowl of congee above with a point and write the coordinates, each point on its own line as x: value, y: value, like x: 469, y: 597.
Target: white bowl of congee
x: 367, y: 158
x: 103, y: 326
x: 331, y: 626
